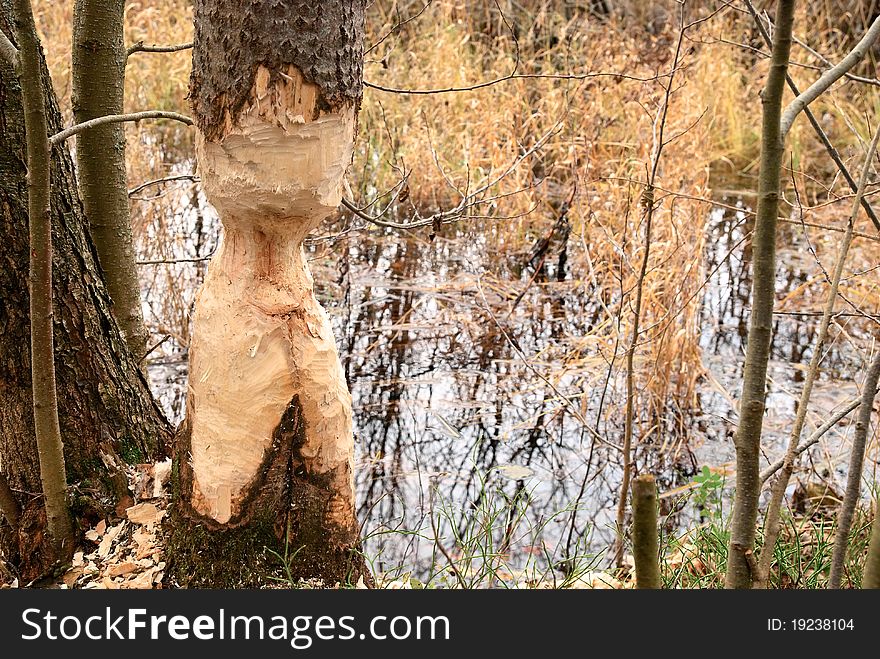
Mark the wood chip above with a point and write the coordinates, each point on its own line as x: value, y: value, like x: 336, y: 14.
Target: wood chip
x: 101, y: 527
x: 144, y: 513
x: 142, y: 581
x: 121, y: 569
x: 71, y: 576
x: 162, y: 474
x: 107, y: 540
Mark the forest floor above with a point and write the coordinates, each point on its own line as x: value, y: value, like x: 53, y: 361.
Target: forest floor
x: 128, y: 552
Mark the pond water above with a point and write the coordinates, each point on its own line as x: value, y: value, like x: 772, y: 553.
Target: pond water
x: 461, y: 436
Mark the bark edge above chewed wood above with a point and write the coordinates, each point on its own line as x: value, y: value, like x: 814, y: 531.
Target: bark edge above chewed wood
x: 323, y: 40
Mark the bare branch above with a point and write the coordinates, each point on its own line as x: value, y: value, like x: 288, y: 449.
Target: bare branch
x: 829, y: 78
x: 57, y: 138
x: 141, y: 47
x: 814, y: 438
x: 515, y: 76
x: 827, y: 62
x: 159, y: 181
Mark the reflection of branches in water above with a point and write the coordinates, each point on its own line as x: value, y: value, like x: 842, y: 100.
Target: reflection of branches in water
x: 441, y: 395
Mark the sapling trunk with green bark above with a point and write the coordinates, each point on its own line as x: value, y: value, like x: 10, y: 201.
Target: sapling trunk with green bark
x: 645, y: 538
x: 871, y: 574
x: 53, y: 475
x: 98, y: 76
x: 854, y: 474
x: 777, y: 494
x: 747, y: 440
x: 104, y: 402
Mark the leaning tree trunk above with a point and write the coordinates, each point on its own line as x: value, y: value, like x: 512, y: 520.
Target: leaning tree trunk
x: 105, y: 410
x: 98, y: 76
x: 263, y: 463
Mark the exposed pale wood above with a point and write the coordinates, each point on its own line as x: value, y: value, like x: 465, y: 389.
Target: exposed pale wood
x: 260, y: 336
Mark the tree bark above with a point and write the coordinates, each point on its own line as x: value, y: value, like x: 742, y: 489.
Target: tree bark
x: 854, y: 474
x: 98, y: 76
x: 871, y: 575
x: 646, y: 543
x: 751, y: 411
x: 263, y: 463
x: 104, y: 402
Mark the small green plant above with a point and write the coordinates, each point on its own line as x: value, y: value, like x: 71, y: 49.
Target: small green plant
x: 707, y: 495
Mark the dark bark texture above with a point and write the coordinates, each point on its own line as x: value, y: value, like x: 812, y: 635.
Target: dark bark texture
x: 324, y: 40
x: 105, y: 405
x: 281, y: 530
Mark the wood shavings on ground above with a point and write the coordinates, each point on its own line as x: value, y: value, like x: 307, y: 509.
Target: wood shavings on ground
x: 127, y: 553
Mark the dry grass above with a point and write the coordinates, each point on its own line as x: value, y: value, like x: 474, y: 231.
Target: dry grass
x: 598, y: 139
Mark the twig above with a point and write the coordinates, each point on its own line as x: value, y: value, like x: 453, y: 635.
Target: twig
x: 513, y: 76
x: 814, y: 438
x: 828, y: 78
x: 168, y: 179
x: 141, y: 47
x: 467, y: 200
x: 57, y: 138
x: 650, y: 206
x: 154, y: 348
x: 396, y: 27
x: 874, y: 82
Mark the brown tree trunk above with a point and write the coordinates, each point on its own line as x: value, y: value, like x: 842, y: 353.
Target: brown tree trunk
x: 263, y: 464
x: 104, y: 402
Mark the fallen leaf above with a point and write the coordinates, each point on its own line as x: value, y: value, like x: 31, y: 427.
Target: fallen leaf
x: 142, y: 581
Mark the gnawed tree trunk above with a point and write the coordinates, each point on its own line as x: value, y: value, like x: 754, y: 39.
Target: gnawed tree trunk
x: 98, y: 76
x: 105, y: 405
x: 263, y: 463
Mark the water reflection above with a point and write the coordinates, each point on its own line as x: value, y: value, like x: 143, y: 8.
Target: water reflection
x: 467, y: 404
